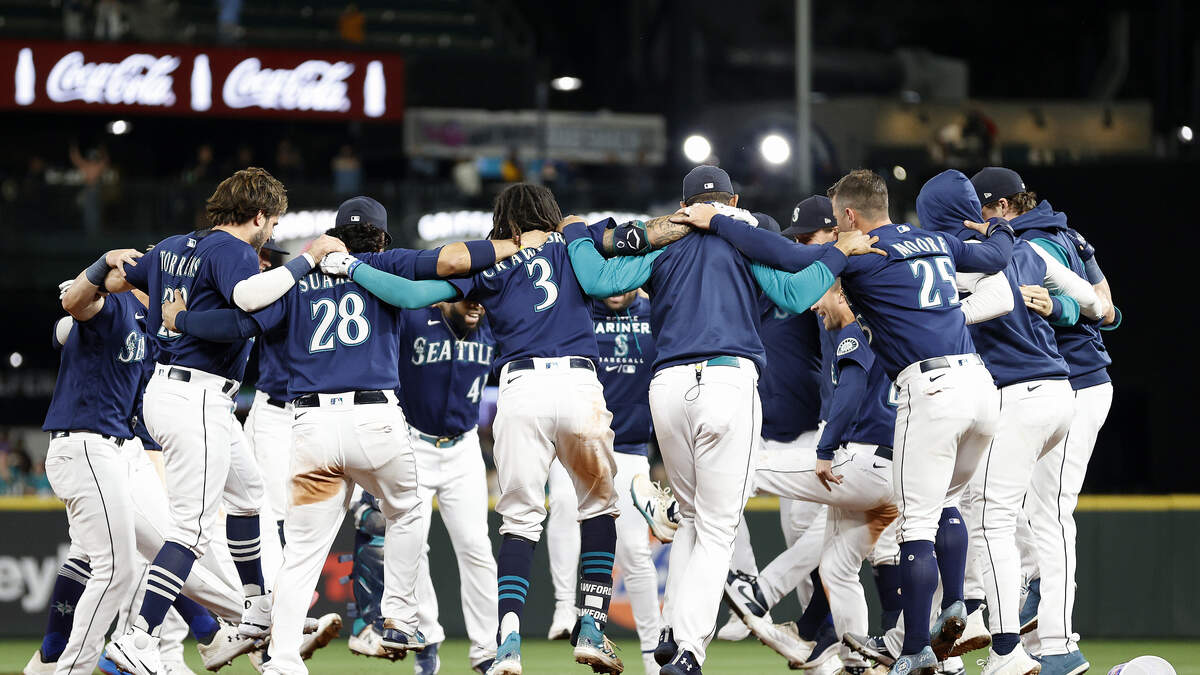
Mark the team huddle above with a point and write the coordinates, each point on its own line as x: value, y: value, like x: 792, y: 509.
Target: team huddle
x: 925, y: 399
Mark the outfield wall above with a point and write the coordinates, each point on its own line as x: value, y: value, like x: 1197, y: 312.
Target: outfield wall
x: 1137, y: 563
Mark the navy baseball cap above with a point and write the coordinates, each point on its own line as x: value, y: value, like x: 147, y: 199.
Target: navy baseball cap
x: 996, y: 182
x: 272, y: 246
x: 361, y: 210
x: 706, y: 178
x: 810, y: 215
x: 766, y: 222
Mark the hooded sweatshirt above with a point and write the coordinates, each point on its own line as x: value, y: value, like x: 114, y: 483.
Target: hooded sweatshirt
x: 1080, y: 344
x: 1018, y: 346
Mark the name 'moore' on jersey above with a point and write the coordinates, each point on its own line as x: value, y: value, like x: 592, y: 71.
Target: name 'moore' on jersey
x: 100, y: 371
x: 535, y: 304
x: 627, y: 354
x: 340, y: 338
x: 203, y: 267
x: 442, y: 374
x: 790, y: 387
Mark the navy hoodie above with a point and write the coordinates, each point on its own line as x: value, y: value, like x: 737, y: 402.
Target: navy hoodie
x: 1081, y: 344
x: 1018, y: 346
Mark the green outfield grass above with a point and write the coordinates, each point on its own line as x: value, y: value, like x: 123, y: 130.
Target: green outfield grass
x: 554, y: 658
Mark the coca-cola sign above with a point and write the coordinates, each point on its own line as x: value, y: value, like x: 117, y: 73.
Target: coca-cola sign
x: 189, y: 80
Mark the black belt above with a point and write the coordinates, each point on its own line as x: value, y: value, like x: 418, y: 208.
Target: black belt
x: 441, y: 441
x: 186, y: 376
x: 942, y: 362
x: 64, y: 434
x: 883, y: 452
x: 528, y: 364
x: 360, y: 398
x: 276, y: 402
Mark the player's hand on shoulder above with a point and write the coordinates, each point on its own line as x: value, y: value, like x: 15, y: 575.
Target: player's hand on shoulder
x: 825, y: 474
x: 171, y: 308
x: 562, y: 224
x: 855, y: 242
x: 118, y: 258
x: 737, y: 214
x: 323, y: 245
x: 697, y: 215
x: 1037, y: 299
x: 338, y: 264
x: 63, y: 287
x: 535, y: 238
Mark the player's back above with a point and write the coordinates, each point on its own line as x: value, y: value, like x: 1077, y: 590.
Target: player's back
x: 790, y: 387
x: 704, y: 303
x: 908, y: 298
x: 535, y: 305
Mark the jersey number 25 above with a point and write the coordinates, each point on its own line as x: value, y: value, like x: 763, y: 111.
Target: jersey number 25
x: 933, y: 283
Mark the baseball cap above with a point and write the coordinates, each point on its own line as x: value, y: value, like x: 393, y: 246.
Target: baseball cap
x: 810, y: 215
x: 766, y: 222
x: 706, y: 178
x: 361, y: 210
x: 272, y: 246
x: 996, y: 182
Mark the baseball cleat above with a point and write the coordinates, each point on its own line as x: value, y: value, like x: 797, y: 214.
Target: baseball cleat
x: 830, y: 666
x: 785, y: 639
x: 974, y: 636
x: 482, y: 666
x: 872, y: 647
x: 427, y: 661
x: 393, y: 638
x: 826, y: 646
x: 176, y: 668
x: 508, y: 656
x: 921, y: 663
x: 665, y: 651
x: 593, y: 648
x: 104, y: 665
x: 734, y: 629
x: 952, y: 666
x: 327, y: 628
x: 1016, y: 662
x: 135, y: 652
x: 37, y: 666
x: 656, y: 505
x: 225, y: 646
x: 947, y: 628
x: 565, y: 616
x: 1071, y: 663
x: 1029, y: 608
x: 256, y: 616
x: 744, y: 597
x: 369, y: 643
x: 683, y: 664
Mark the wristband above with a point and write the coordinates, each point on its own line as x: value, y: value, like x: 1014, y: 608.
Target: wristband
x: 1056, y: 309
x: 630, y: 238
x: 999, y: 224
x: 483, y: 254
x: 825, y: 453
x: 299, y: 266
x: 96, y: 272
x: 353, y: 266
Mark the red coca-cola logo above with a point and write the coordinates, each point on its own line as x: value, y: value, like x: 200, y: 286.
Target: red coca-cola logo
x: 138, y: 79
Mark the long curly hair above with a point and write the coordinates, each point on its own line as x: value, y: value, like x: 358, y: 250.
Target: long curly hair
x: 524, y: 207
x: 360, y: 237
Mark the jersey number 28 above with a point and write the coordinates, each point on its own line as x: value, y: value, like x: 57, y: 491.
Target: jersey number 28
x: 930, y: 294
x: 352, y: 327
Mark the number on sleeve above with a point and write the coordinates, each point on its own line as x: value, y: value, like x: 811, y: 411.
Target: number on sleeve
x: 540, y: 271
x: 352, y: 327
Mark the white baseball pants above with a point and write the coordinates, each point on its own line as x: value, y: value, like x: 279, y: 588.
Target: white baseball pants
x: 708, y: 420
x: 634, y: 562
x: 551, y: 411
x: 457, y: 476
x: 944, y: 422
x: 89, y: 472
x: 1053, y: 495
x: 268, y: 432
x: 204, y: 451
x: 1034, y: 418
x: 336, y: 445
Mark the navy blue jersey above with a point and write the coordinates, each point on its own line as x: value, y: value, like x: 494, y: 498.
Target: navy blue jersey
x: 828, y: 347
x: 340, y: 338
x: 705, y: 303
x: 909, y: 297
x: 535, y: 304
x: 442, y: 375
x: 627, y: 353
x: 272, y: 373
x: 139, y: 416
x: 100, y: 371
x: 790, y: 387
x: 874, y: 421
x: 204, y: 267
x: 1081, y: 345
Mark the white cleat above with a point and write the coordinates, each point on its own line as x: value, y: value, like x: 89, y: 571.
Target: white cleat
x: 226, y: 645
x: 975, y: 635
x: 784, y: 639
x: 952, y: 666
x: 37, y: 666
x: 256, y: 616
x: 1016, y: 662
x: 136, y: 652
x: 176, y: 668
x: 368, y: 642
x: 830, y: 666
x: 327, y: 628
x: 563, y: 622
x: 657, y: 505
x: 734, y: 629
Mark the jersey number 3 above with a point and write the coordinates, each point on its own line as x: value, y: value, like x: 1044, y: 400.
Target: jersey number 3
x: 540, y: 271
x: 930, y: 295
x: 352, y: 327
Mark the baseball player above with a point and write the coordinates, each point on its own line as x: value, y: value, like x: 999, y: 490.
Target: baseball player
x: 189, y: 405
x: 626, y: 345
x: 444, y: 368
x: 1058, y: 476
x: 703, y: 396
x: 336, y: 335
x: 947, y: 403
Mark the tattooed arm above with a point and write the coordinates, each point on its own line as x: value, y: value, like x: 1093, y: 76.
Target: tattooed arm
x: 637, y: 238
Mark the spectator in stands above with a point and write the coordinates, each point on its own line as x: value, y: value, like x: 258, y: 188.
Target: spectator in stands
x: 510, y: 169
x: 91, y: 170
x: 352, y: 24
x: 229, y: 21
x: 110, y: 20
x: 74, y: 14
x: 201, y: 172
x: 289, y: 165
x: 347, y: 172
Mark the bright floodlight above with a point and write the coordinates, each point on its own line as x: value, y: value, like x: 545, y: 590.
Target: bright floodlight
x: 696, y: 148
x: 566, y: 83
x: 775, y: 149
x: 15, y: 359
x: 118, y: 127
x: 1185, y: 134
x: 899, y: 173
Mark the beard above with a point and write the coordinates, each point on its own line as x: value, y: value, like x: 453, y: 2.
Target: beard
x: 260, y: 237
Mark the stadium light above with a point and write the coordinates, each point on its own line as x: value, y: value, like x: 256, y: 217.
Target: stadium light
x: 696, y: 148
x: 775, y: 149
x: 566, y: 83
x: 119, y: 127
x: 1185, y: 134
x: 899, y: 173
x: 15, y: 359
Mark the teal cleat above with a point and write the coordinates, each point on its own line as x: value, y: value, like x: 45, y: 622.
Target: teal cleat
x: 508, y: 656
x: 593, y: 649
